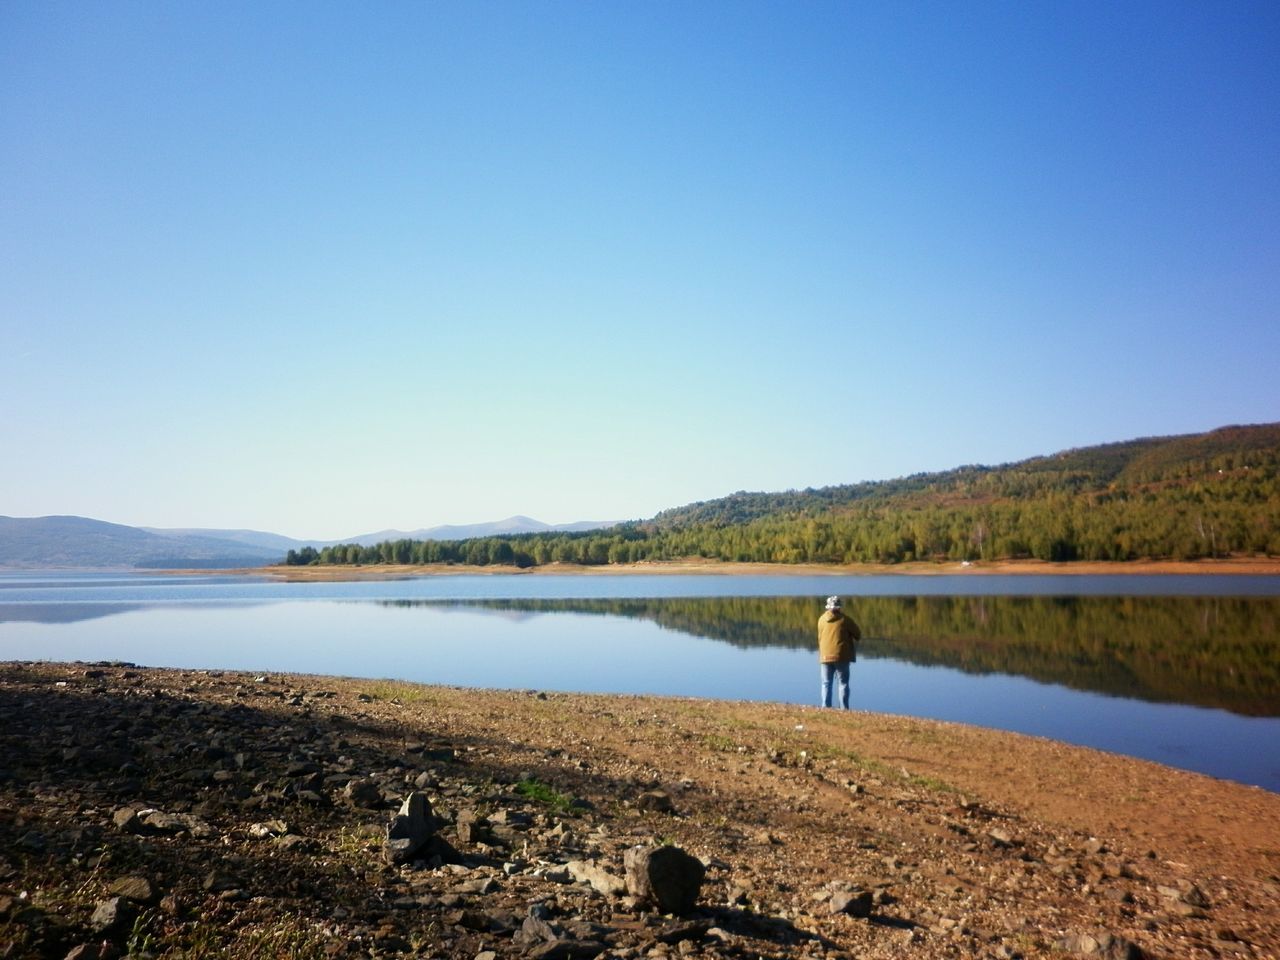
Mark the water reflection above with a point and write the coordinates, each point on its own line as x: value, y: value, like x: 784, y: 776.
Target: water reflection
x: 1221, y: 652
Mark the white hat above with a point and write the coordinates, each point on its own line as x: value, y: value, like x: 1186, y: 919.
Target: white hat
x: 833, y: 603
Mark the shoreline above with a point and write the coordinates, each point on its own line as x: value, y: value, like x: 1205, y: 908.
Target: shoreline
x: 969, y: 841
x: 1237, y: 566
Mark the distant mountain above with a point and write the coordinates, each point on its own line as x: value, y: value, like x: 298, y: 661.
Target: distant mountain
x: 78, y: 542
x: 1185, y: 497
x: 275, y: 542
x: 45, y: 542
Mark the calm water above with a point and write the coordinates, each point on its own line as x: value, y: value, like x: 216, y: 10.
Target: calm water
x: 1182, y: 670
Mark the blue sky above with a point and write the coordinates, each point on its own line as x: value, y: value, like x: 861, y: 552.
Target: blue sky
x: 329, y: 268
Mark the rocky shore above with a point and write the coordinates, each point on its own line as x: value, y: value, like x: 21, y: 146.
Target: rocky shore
x: 164, y: 813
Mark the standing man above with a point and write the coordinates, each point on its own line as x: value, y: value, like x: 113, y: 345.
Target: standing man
x: 837, y: 637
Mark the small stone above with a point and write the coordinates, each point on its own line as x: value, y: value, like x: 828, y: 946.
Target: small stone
x: 855, y: 903
x: 1103, y: 945
x: 1001, y: 838
x: 363, y: 792
x: 268, y: 828
x: 1195, y: 897
x: 556, y: 875
x: 111, y: 915
x: 104, y: 950
x: 655, y: 801
x: 174, y: 823
x: 683, y: 931
x: 536, y: 930
x: 126, y: 820
x: 567, y: 950
x: 597, y: 877
x: 472, y: 828
x: 136, y: 889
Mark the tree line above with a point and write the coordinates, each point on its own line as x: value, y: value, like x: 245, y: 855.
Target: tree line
x: 1120, y: 502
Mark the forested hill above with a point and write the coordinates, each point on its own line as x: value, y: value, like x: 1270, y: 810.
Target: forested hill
x: 1184, y: 497
x: 1132, y: 465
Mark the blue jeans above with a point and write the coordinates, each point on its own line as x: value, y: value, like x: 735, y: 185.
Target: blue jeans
x: 830, y: 670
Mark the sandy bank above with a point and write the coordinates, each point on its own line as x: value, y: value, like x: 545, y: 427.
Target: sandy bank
x: 1234, y: 565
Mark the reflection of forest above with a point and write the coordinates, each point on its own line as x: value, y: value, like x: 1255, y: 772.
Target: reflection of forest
x: 1206, y: 651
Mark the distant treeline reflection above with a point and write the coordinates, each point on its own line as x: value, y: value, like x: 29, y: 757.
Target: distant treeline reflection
x: 1205, y: 651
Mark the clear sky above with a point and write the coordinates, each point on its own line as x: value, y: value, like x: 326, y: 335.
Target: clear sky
x: 328, y: 268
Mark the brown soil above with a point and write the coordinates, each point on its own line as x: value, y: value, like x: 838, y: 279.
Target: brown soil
x: 970, y: 842
x: 1263, y: 566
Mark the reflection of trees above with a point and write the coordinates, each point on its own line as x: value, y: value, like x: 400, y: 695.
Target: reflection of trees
x: 1207, y: 651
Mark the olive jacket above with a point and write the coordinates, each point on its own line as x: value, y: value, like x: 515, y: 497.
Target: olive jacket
x: 837, y: 638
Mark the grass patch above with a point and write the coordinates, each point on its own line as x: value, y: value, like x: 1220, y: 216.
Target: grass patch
x: 545, y: 794
x: 879, y: 768
x: 288, y: 938
x: 392, y: 691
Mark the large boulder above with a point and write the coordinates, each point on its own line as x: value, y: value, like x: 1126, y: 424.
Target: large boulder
x: 410, y: 830
x: 665, y: 876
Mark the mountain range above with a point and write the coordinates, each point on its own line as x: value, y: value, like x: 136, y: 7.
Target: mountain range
x: 1181, y: 496
x: 79, y: 542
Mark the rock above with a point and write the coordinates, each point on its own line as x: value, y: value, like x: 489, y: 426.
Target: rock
x: 363, y: 792
x: 468, y: 920
x: 93, y: 951
x: 1105, y: 946
x: 216, y: 882
x: 597, y: 877
x: 855, y: 903
x: 409, y: 831
x: 555, y: 874
x: 1001, y: 838
x: 136, y: 889
x: 513, y: 819
x: 655, y: 801
x: 675, y: 932
x: 126, y: 820
x: 267, y: 828
x: 1195, y: 897
x: 536, y: 930
x: 666, y: 876
x: 162, y: 822
x: 111, y: 916
x: 472, y: 828
x: 567, y: 950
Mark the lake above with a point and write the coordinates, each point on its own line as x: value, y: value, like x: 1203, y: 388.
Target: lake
x: 1181, y: 670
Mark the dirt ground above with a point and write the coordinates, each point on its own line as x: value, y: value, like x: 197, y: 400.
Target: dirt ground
x: 263, y: 802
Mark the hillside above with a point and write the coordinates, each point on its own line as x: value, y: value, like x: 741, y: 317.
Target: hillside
x: 1129, y: 466
x: 47, y: 542
x: 1185, y: 497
